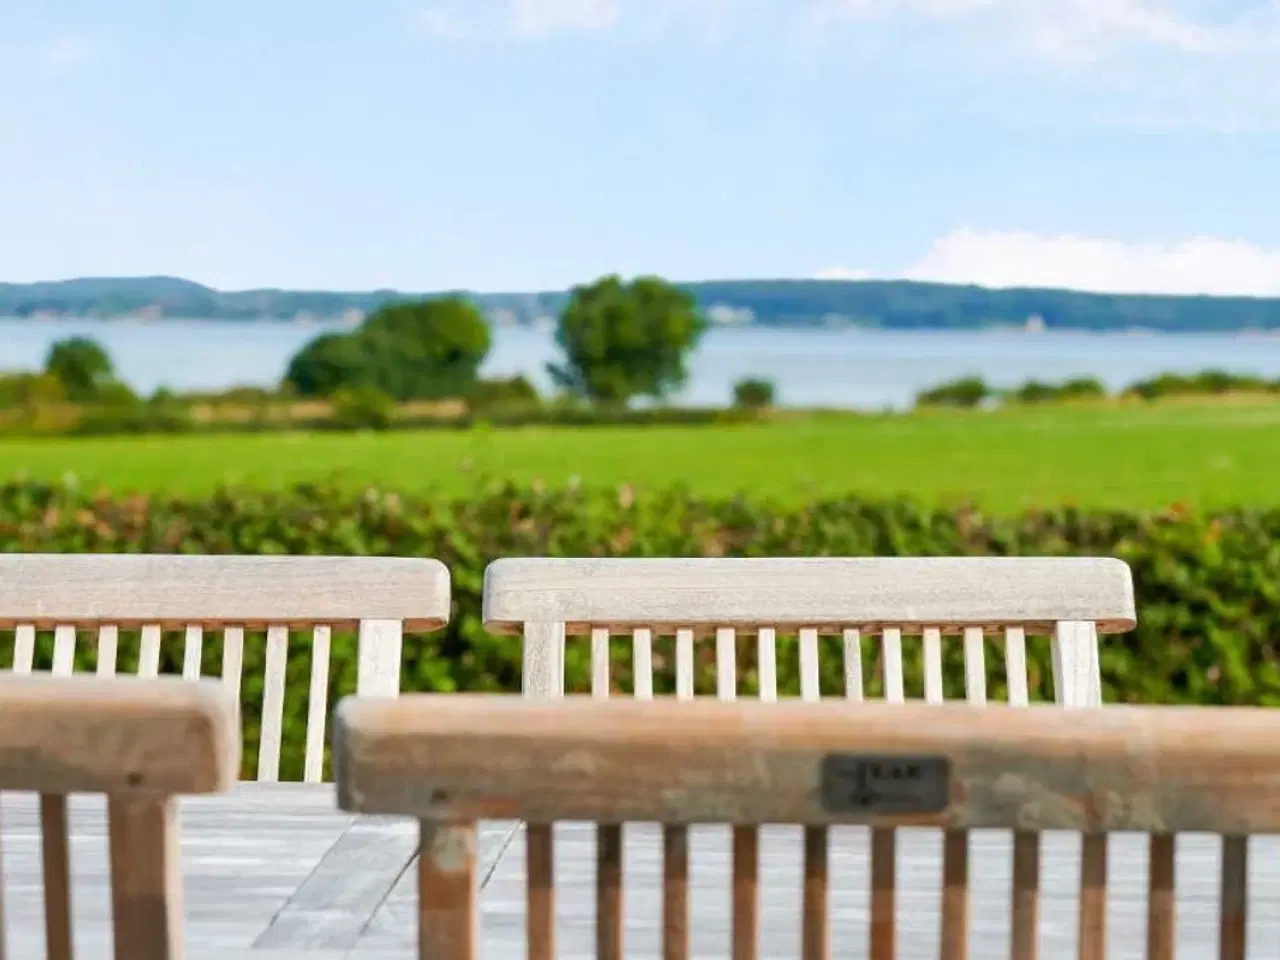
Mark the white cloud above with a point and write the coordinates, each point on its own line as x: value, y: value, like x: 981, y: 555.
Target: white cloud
x: 69, y: 50
x: 443, y: 23
x: 1200, y: 265
x: 536, y: 18
x: 1081, y: 29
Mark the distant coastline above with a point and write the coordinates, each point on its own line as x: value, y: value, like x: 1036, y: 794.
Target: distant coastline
x: 897, y: 305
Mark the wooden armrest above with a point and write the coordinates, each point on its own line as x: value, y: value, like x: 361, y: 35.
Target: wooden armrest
x: 166, y: 736
x: 1158, y: 769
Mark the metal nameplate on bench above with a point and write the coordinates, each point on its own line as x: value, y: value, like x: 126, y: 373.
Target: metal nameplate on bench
x: 889, y: 785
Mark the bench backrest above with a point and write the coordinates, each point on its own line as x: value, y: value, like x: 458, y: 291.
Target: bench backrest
x: 140, y: 742
x: 1157, y: 770
x: 254, y: 603
x: 1070, y: 600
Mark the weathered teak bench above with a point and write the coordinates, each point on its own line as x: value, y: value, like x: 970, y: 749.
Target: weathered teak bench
x: 140, y: 742
x: 243, y: 597
x: 1069, y: 601
x: 449, y: 761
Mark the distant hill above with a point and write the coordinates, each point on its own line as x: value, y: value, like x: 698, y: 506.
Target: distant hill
x: 891, y: 304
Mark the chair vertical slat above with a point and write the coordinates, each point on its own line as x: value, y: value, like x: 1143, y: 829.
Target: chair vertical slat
x: 317, y: 705
x: 746, y: 898
x: 894, y: 688
x: 642, y: 662
x: 56, y: 861
x: 684, y: 663
x: 675, y: 836
x: 810, y: 676
x: 1076, y: 681
x: 814, y: 937
x: 600, y: 662
x: 1234, y: 912
x: 1025, y: 925
x: 767, y: 663
x: 540, y: 897
x: 1015, y: 665
x: 542, y: 660
x: 609, y: 928
x: 746, y: 839
x: 853, y: 664
x: 273, y: 703
x: 192, y: 650
x: 108, y: 649
x: 1161, y: 896
x: 448, y: 895
x: 955, y: 844
x: 675, y: 892
x: 64, y: 650
x: 815, y: 942
x: 884, y: 928
x: 726, y: 663
x: 1092, y: 935
x: 24, y: 648
x: 146, y: 877
x: 233, y: 661
x: 1025, y: 921
x: 149, y: 651
x: 932, y: 642
x: 884, y: 844
x: 379, y: 647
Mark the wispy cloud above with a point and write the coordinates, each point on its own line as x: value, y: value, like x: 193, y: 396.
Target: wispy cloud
x: 68, y: 51
x: 1198, y: 265
x: 1080, y: 29
x: 537, y: 18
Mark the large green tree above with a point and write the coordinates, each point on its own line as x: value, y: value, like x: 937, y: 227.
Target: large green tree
x: 625, y: 340
x: 408, y: 350
x: 81, y: 365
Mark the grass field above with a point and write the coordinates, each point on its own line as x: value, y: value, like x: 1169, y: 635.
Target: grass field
x: 1207, y: 455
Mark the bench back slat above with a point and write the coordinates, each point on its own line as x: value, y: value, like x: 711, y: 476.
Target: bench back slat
x: 281, y: 602
x: 450, y: 761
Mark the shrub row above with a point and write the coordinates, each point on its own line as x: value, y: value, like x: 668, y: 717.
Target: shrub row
x: 1208, y: 587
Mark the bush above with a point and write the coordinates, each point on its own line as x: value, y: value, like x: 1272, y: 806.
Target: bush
x: 1080, y: 388
x: 513, y: 393
x: 753, y: 393
x: 965, y: 392
x: 362, y: 408
x: 1207, y: 586
x: 1205, y: 383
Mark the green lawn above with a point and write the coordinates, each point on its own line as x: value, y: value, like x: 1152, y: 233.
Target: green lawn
x: 1206, y: 456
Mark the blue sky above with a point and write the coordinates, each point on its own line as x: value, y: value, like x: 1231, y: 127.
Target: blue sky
x: 524, y: 144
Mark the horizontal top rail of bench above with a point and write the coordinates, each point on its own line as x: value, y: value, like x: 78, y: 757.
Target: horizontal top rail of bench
x: 814, y: 592
x: 1152, y: 769
x: 178, y: 590
x: 86, y: 735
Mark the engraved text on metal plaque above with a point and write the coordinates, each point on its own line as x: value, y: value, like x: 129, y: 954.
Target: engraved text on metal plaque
x: 885, y: 785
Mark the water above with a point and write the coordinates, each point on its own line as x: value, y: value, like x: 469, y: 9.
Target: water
x: 833, y: 368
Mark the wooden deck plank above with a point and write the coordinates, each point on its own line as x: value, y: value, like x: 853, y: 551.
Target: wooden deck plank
x: 277, y: 866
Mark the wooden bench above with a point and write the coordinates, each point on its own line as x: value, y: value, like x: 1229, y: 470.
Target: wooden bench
x: 140, y: 742
x: 1068, y: 600
x: 243, y: 598
x: 450, y: 760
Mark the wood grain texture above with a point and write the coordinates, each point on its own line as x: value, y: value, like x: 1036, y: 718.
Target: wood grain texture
x: 821, y: 593
x: 175, y: 591
x: 146, y: 880
x: 85, y: 735
x: 448, y: 902
x: 1150, y: 769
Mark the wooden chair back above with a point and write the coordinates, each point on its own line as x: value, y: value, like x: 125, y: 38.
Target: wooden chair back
x: 1069, y: 600
x: 451, y: 760
x: 254, y: 602
x: 140, y: 742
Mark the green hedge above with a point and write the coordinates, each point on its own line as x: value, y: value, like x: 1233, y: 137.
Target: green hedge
x: 1208, y: 587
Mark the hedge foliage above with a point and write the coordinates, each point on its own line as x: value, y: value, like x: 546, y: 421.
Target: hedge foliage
x: 1208, y: 587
